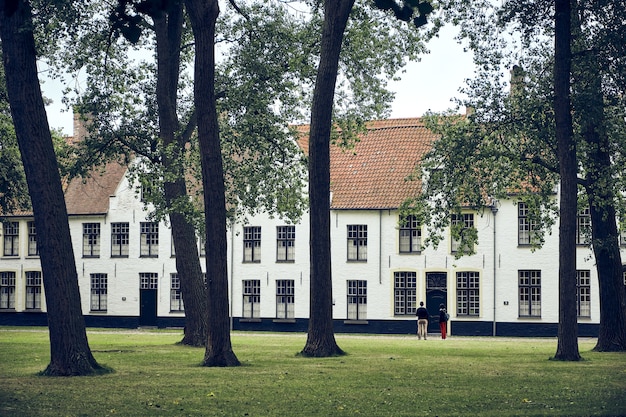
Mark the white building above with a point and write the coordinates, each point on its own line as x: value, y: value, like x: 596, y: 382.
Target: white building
x: 127, y: 272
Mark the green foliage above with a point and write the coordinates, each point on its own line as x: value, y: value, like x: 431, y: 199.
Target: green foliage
x: 505, y: 147
x: 264, y: 81
x: 460, y: 376
x: 409, y: 10
x: 13, y: 189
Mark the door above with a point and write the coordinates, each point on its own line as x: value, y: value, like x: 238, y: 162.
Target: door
x: 436, y: 293
x: 148, y: 287
x: 148, y: 307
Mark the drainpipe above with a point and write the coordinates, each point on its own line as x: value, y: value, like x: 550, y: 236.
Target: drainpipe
x: 232, y: 267
x: 494, y: 210
x: 380, y: 246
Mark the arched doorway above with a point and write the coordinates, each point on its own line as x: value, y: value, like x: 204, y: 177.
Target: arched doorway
x: 436, y: 293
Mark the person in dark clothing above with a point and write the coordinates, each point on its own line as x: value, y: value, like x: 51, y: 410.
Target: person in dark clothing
x: 443, y: 320
x: 422, y: 321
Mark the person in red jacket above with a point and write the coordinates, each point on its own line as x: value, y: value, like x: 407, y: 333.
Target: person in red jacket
x: 443, y: 320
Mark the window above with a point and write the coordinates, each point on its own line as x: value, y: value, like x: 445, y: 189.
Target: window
x: 357, y: 300
x: 148, y: 189
x: 526, y: 228
x: 410, y: 235
x: 405, y: 293
x: 252, y: 244
x: 33, y: 290
x: 357, y: 242
x: 583, y: 227
x: 468, y: 293
x: 99, y: 283
x: 172, y: 246
x: 148, y: 281
x: 202, y: 244
x: 529, y: 293
x: 622, y: 237
x: 583, y: 293
x: 251, y: 298
x: 33, y: 250
x: 176, y: 297
x: 91, y: 240
x: 285, y: 243
x: 11, y: 238
x: 149, y: 244
x: 285, y: 306
x: 7, y: 290
x: 466, y: 222
x: 119, y: 240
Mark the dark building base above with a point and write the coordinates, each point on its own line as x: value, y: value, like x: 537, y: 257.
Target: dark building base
x: 458, y: 328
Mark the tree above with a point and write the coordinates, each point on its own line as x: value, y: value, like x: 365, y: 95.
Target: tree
x: 69, y: 348
x: 135, y: 107
x: 203, y: 18
x: 567, y: 347
x: 321, y: 340
x: 168, y: 27
x: 595, y: 57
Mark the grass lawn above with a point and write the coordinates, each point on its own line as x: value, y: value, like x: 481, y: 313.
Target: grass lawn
x: 380, y: 376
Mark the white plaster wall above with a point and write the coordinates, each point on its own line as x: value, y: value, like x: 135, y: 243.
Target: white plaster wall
x: 383, y: 259
x: 269, y: 270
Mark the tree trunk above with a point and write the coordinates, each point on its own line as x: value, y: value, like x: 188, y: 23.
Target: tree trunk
x: 612, y: 332
x: 567, y: 347
x: 168, y: 29
x: 69, y: 349
x: 203, y: 16
x: 600, y: 186
x: 321, y: 337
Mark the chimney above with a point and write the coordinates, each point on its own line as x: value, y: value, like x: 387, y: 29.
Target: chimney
x: 517, y: 81
x: 81, y: 130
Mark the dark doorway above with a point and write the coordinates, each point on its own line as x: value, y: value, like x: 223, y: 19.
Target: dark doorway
x: 148, y: 307
x: 436, y: 293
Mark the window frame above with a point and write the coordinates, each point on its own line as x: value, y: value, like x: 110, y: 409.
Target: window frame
x: 99, y: 283
x: 149, y: 240
x: 468, y: 293
x: 356, y: 296
x: 286, y: 243
x: 251, y: 292
x: 176, y: 296
x: 356, y: 238
x: 33, y: 248
x: 148, y: 281
x: 529, y: 293
x: 11, y: 239
x: 8, y: 280
x: 467, y: 220
x: 526, y: 228
x: 33, y: 280
x: 91, y: 240
x: 285, y: 299
x: 410, y: 229
x: 120, y: 239
x: 252, y: 244
x: 405, y: 293
x: 583, y: 293
x: 583, y: 227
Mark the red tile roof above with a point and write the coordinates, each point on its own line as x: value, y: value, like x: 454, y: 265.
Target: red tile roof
x: 373, y: 175
x: 91, y: 195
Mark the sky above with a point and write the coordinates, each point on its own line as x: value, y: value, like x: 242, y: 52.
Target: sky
x: 429, y: 84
